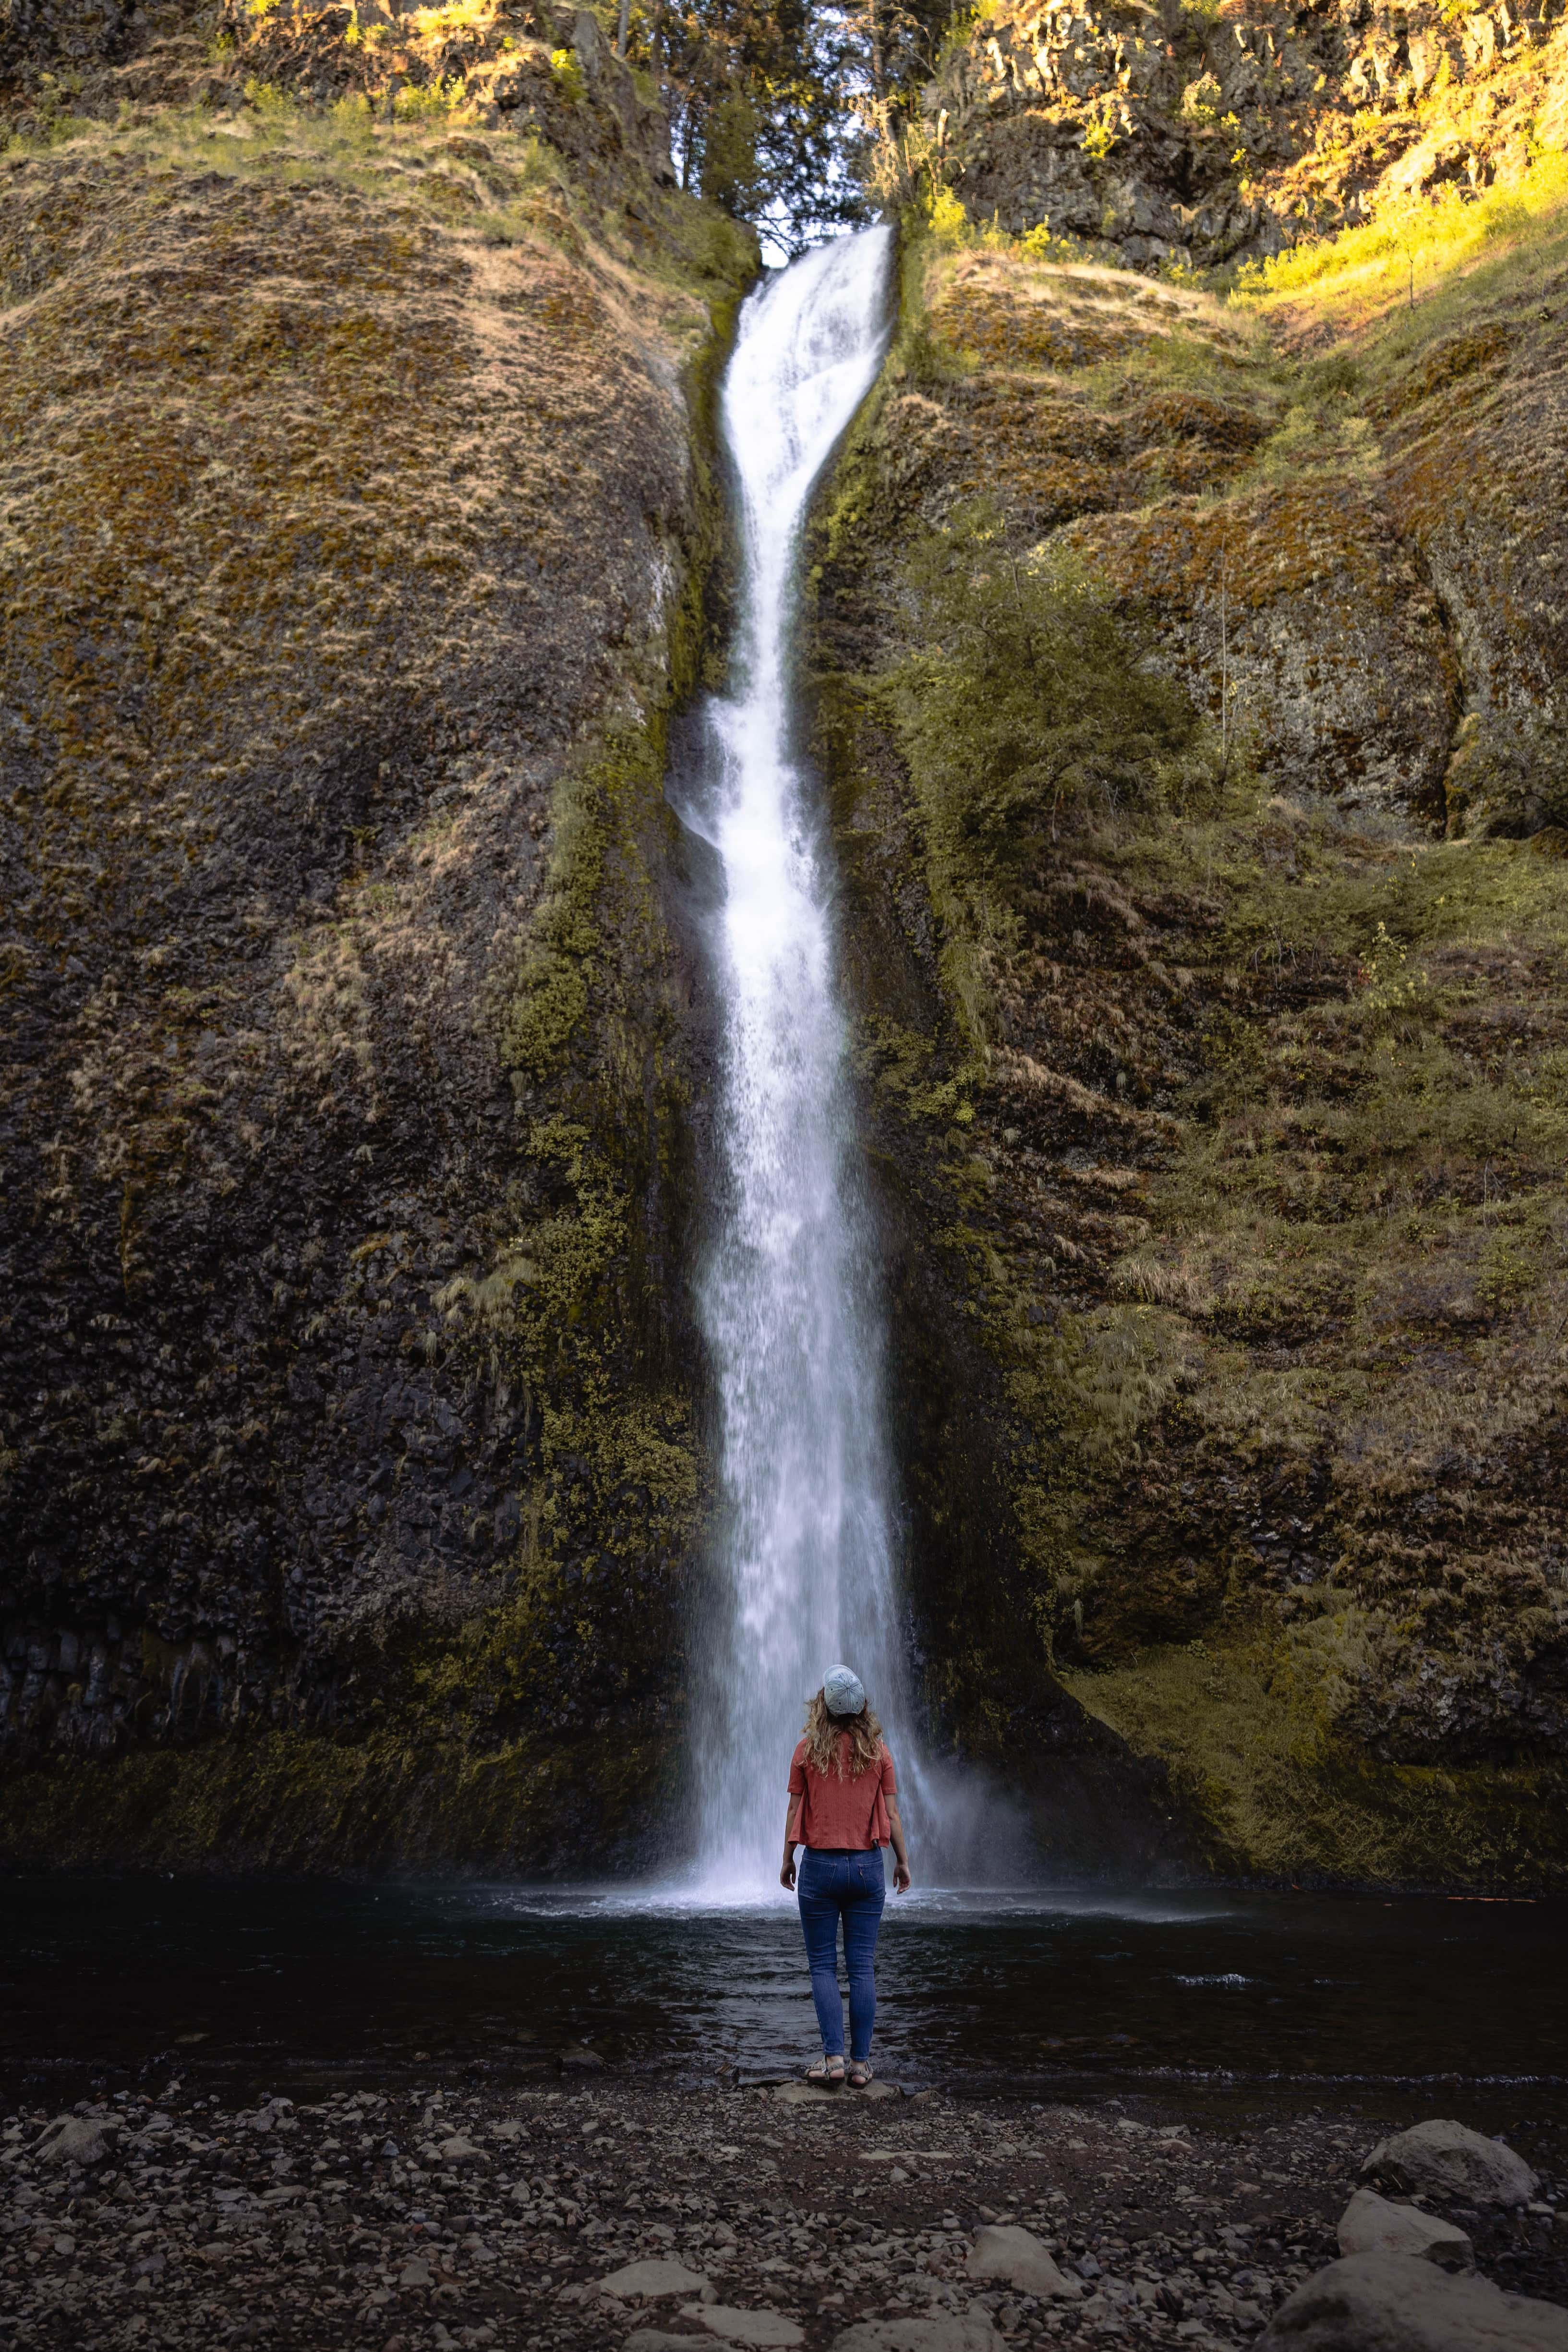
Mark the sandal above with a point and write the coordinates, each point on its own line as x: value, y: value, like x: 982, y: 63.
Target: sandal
x: 860, y: 2073
x: 827, y: 2071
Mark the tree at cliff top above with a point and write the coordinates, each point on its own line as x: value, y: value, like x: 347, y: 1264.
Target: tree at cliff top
x: 770, y: 100
x: 754, y: 101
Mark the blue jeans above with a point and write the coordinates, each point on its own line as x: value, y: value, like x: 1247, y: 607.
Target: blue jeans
x: 850, y: 1887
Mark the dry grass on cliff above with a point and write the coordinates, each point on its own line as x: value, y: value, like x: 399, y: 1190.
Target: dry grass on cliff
x: 994, y: 303
x: 434, y: 156
x: 1067, y: 390
x: 342, y: 430
x: 496, y: 187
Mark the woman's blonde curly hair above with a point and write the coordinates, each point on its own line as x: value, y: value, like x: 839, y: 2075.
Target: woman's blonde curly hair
x: 824, y: 1730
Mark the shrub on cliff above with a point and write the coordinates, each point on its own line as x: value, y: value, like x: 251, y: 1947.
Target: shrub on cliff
x: 1025, y: 696
x: 1025, y: 704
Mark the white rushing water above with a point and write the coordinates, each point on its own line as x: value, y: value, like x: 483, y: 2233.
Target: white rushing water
x: 785, y: 1297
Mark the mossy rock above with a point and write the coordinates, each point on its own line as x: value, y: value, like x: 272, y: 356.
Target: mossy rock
x: 1216, y: 1110
x: 349, y: 1447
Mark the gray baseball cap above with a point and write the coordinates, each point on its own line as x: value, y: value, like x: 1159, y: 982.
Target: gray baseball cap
x: 843, y: 1690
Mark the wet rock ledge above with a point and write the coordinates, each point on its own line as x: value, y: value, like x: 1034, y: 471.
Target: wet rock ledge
x: 609, y: 2213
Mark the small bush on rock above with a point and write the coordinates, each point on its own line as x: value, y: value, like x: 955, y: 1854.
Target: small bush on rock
x: 1027, y: 696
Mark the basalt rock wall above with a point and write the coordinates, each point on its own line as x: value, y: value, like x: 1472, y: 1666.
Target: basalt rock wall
x: 1203, y: 135
x: 1213, y: 1086
x: 357, y: 518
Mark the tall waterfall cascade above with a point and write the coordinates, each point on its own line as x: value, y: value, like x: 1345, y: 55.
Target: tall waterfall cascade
x: 785, y: 1297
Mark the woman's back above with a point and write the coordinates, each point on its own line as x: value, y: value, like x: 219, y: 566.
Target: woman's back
x: 841, y: 1809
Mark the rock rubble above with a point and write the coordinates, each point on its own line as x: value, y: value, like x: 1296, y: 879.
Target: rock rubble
x: 654, y: 2216
x: 1392, y: 2303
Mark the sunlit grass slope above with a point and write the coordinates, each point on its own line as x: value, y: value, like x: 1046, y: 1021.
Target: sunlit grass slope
x: 1417, y: 256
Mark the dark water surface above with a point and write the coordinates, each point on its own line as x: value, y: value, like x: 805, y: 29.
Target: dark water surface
x: 1299, y: 1999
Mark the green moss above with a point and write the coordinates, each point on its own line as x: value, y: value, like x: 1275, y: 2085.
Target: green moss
x: 1241, y: 1729
x: 905, y: 1065
x: 493, y: 1739
x: 1022, y: 696
x: 574, y: 1312
x: 284, y: 1801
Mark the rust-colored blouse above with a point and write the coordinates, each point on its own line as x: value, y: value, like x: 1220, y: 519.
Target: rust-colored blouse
x: 850, y: 1812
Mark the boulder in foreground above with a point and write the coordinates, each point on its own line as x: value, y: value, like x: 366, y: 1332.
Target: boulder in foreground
x: 768, y: 2331
x: 653, y: 2280
x: 1398, y: 2303
x: 1019, y: 2259
x: 1370, y: 2224
x: 965, y: 2331
x: 83, y: 2140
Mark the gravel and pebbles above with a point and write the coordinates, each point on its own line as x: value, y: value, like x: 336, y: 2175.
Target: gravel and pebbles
x: 435, y: 2217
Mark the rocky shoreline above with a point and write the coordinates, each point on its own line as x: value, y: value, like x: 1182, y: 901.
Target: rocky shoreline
x: 615, y: 2211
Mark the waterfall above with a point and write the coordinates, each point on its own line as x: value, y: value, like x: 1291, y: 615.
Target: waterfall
x: 787, y: 1297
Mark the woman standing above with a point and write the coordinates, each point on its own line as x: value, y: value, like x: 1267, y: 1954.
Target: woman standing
x: 843, y: 1808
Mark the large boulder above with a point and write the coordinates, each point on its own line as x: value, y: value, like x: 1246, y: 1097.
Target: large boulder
x: 1444, y: 2159
x: 83, y: 2140
x: 959, y: 2331
x: 653, y: 2280
x: 1371, y: 2225
x: 1398, y: 2303
x: 762, y: 2331
x: 1018, y: 2259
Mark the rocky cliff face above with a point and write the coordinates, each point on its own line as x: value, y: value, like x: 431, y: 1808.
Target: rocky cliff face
x: 1190, y: 705
x: 1214, y: 1062
x: 1208, y: 132
x: 356, y: 519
